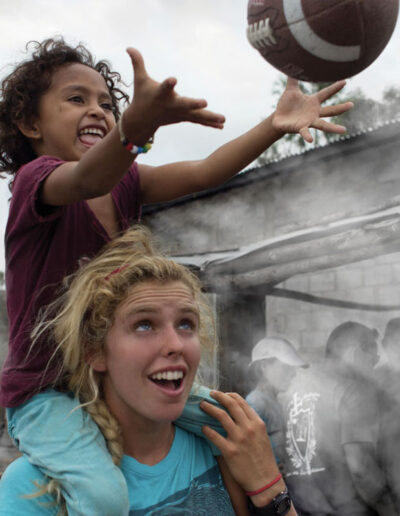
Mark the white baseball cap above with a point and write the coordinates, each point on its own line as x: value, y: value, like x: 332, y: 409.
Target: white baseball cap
x: 279, y: 348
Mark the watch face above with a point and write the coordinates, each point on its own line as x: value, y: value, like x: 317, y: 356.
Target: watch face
x: 279, y: 506
x: 283, y: 506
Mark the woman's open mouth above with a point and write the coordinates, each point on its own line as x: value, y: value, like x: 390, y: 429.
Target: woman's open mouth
x: 168, y: 380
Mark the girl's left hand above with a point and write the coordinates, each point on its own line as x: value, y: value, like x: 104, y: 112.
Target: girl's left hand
x: 297, y: 112
x: 160, y: 102
x: 246, y: 449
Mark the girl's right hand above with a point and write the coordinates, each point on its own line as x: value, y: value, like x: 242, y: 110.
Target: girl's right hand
x: 157, y: 104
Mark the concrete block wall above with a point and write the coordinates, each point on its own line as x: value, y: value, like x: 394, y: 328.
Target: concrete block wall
x: 343, y: 180
x: 308, y: 325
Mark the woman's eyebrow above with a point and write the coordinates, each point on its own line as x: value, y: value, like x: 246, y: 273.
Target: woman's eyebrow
x: 189, y: 309
x: 152, y: 309
x: 142, y: 309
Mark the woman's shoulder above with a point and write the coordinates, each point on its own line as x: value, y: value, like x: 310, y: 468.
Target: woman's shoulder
x: 17, y: 484
x: 184, y: 437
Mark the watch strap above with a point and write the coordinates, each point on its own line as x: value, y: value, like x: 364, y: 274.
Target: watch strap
x: 279, y: 506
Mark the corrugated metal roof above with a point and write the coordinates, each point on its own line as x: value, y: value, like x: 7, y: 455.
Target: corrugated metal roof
x: 380, y: 133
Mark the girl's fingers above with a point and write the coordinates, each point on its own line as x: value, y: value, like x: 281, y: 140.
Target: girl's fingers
x: 291, y: 83
x: 167, y: 86
x: 335, y: 110
x: 328, y: 127
x: 187, y: 103
x: 330, y: 90
x: 137, y: 62
x: 206, y: 123
x: 199, y: 115
x: 306, y: 134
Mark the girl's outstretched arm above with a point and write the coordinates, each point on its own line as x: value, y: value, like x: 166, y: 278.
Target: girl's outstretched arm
x: 295, y: 113
x: 102, y: 167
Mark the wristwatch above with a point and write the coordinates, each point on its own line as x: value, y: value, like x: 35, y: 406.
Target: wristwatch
x: 279, y: 506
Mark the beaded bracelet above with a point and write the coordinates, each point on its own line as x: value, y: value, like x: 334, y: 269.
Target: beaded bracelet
x: 270, y: 484
x: 129, y: 146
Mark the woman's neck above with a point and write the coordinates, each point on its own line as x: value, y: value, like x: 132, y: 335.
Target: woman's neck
x: 148, y: 443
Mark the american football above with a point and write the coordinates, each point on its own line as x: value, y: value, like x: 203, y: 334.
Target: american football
x: 321, y: 41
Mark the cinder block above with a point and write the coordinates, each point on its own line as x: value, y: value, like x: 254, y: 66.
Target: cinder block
x: 323, y: 282
x: 378, y: 275
x: 349, y: 278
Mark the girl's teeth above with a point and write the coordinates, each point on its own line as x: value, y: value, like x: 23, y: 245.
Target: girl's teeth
x: 92, y: 131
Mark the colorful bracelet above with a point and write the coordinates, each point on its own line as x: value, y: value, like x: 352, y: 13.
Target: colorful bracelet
x: 129, y: 146
x: 270, y: 484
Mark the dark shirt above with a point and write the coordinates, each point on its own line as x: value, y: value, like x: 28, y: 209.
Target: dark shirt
x: 44, y: 244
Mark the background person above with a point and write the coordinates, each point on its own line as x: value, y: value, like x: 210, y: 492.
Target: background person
x: 333, y: 428
x: 274, y: 361
x: 388, y: 378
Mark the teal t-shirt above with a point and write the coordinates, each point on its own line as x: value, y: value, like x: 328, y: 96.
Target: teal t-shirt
x: 17, y: 482
x: 186, y: 482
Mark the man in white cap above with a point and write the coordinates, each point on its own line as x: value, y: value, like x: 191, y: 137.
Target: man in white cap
x: 274, y: 361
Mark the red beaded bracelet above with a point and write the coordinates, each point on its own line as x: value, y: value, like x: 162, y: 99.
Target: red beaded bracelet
x: 273, y: 482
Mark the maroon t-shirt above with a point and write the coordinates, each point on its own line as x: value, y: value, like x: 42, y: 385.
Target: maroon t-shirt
x: 43, y: 245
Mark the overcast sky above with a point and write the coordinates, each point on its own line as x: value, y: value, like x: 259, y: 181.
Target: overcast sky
x: 201, y: 42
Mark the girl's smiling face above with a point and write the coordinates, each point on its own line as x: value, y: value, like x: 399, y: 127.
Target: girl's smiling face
x: 74, y: 114
x: 152, y: 353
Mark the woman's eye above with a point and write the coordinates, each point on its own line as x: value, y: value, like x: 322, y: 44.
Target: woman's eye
x: 143, y: 326
x: 187, y: 324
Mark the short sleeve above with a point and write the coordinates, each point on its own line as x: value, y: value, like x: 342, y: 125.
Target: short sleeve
x: 26, y: 188
x: 127, y: 197
x: 16, y: 484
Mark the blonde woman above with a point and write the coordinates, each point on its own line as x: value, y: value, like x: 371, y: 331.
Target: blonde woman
x: 129, y: 332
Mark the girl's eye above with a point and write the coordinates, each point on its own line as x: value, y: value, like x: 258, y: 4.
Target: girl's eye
x: 143, y: 326
x: 76, y: 98
x: 107, y: 106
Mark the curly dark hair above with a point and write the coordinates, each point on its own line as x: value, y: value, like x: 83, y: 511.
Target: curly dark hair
x: 23, y: 87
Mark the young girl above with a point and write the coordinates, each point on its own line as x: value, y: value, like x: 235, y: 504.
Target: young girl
x: 131, y: 329
x: 75, y: 187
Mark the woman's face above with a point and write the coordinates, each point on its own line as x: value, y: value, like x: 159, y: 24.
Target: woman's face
x: 152, y: 353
